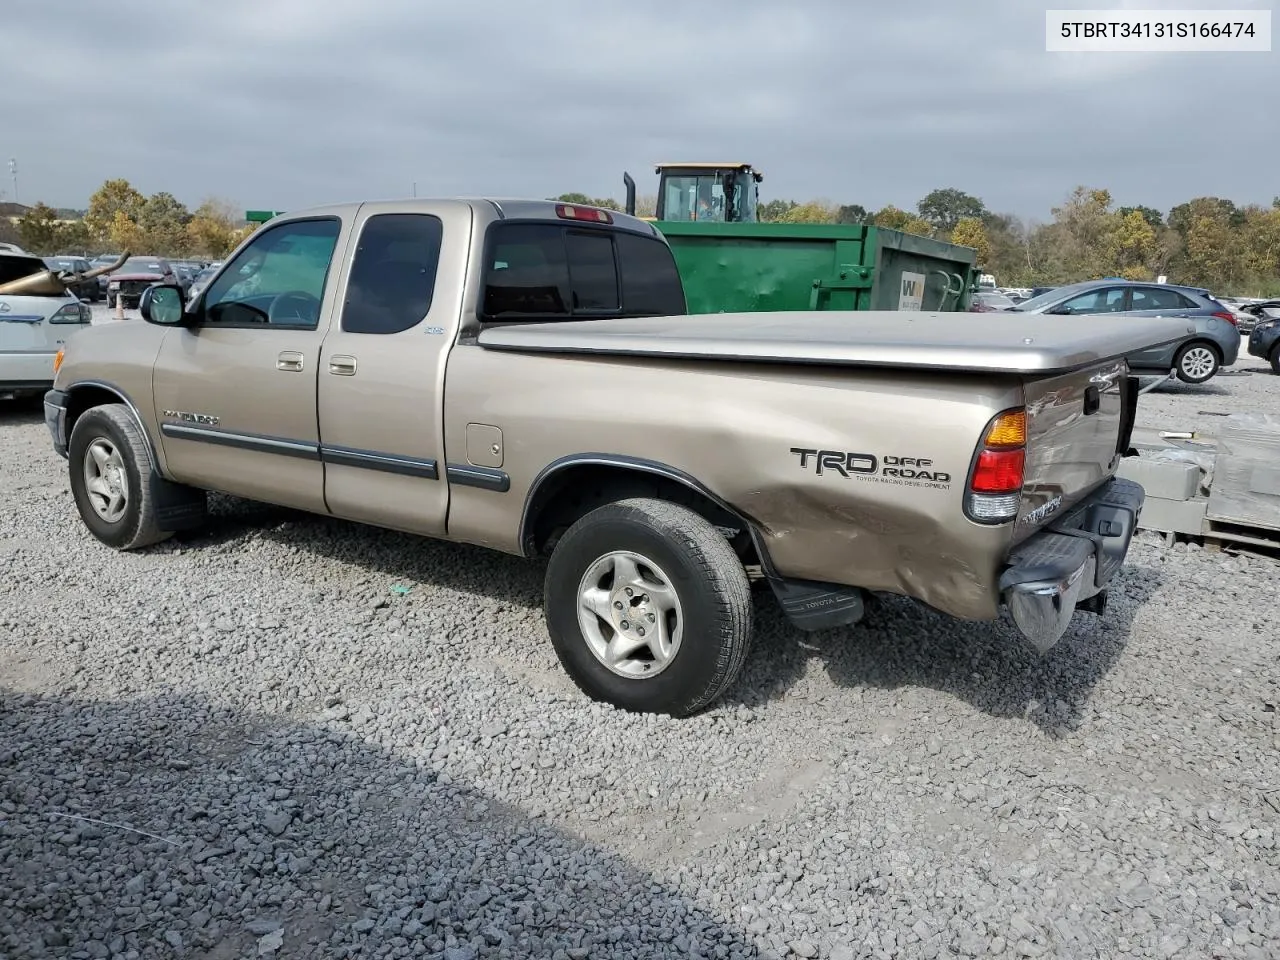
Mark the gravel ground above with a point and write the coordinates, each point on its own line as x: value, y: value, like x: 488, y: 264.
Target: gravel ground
x: 302, y: 738
x: 1247, y: 385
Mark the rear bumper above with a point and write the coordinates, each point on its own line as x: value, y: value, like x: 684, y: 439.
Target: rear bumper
x: 26, y: 369
x: 1231, y: 348
x: 1067, y: 566
x: 55, y: 418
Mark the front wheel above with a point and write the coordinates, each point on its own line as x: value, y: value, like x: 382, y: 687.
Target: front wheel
x: 111, y: 478
x: 648, y: 607
x: 1196, y: 362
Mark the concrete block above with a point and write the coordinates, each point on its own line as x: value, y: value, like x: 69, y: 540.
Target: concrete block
x: 1173, y: 516
x: 1167, y: 479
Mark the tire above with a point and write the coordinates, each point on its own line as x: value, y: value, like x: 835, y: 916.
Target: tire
x: 1274, y: 359
x: 1195, y: 358
x: 709, y: 606
x: 108, y: 435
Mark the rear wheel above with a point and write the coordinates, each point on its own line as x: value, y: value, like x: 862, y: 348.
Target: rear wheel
x: 110, y: 473
x: 1275, y: 359
x: 648, y: 607
x: 1196, y: 362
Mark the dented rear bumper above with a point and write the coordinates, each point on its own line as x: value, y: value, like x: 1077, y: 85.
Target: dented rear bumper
x: 1068, y: 565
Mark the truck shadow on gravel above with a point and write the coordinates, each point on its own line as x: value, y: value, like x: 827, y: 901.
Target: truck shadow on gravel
x: 900, y: 644
x: 291, y: 840
x: 386, y: 556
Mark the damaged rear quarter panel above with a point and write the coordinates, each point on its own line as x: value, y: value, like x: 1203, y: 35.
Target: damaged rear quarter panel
x: 734, y: 427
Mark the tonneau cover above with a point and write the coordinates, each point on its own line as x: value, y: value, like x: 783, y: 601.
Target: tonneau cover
x: 997, y: 342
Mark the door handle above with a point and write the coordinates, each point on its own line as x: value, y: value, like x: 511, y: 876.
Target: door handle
x: 342, y: 366
x: 289, y: 360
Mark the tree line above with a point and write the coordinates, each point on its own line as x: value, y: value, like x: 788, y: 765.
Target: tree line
x: 1206, y: 241
x: 120, y: 218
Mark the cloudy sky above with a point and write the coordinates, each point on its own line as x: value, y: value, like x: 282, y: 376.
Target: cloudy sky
x: 287, y: 103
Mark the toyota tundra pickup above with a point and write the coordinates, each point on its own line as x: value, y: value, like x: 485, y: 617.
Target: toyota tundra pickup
x: 522, y: 375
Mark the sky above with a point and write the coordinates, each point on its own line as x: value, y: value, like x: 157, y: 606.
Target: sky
x: 283, y: 104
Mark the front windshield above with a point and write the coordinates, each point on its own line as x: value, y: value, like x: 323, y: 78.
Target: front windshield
x: 1046, y: 298
x: 60, y: 263
x: 693, y: 198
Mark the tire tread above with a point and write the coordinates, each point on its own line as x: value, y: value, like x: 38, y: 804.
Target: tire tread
x: 146, y: 530
x: 728, y: 587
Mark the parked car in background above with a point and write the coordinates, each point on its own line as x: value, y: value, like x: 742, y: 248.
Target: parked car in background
x: 1264, y: 340
x: 1258, y: 312
x: 1248, y: 310
x: 136, y: 274
x: 1195, y: 359
x: 85, y: 289
x: 11, y: 248
x: 1038, y: 291
x: 185, y: 273
x: 201, y: 281
x: 33, y: 327
x: 988, y: 301
x: 101, y: 260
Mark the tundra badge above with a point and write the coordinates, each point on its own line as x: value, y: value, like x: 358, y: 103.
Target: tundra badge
x: 204, y: 418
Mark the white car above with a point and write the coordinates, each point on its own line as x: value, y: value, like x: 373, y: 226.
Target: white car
x: 32, y: 329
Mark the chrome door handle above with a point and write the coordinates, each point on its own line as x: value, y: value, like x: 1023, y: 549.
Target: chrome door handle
x: 290, y: 360
x: 342, y: 366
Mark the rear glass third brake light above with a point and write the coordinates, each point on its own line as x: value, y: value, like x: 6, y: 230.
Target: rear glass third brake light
x: 571, y: 211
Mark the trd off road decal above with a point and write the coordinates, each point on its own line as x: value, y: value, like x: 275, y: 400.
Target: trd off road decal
x: 897, y: 470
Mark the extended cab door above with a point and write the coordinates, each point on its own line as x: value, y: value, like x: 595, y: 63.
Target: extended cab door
x: 383, y: 362
x: 235, y: 394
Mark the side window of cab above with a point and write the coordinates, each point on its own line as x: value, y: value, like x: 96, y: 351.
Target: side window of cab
x: 277, y: 279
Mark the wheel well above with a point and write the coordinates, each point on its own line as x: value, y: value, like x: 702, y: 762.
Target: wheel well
x: 81, y: 399
x: 573, y: 491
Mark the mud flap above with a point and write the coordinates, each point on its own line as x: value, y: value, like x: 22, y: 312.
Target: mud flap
x: 178, y: 507
x: 810, y: 605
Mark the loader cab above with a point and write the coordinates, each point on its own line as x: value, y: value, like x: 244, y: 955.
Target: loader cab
x: 717, y: 192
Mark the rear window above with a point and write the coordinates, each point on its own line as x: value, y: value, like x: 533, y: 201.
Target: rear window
x: 543, y: 271
x: 1158, y: 298
x: 17, y: 267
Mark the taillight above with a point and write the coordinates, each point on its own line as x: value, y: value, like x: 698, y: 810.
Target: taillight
x: 998, y: 471
x: 1229, y: 317
x: 571, y: 211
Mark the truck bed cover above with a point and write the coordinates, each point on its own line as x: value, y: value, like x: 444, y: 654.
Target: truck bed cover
x: 978, y: 342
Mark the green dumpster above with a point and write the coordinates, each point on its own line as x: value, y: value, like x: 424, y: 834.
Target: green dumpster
x: 748, y: 267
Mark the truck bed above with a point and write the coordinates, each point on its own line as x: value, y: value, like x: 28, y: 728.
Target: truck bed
x: 978, y: 342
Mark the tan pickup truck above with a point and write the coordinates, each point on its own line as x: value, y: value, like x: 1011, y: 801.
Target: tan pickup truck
x: 521, y: 375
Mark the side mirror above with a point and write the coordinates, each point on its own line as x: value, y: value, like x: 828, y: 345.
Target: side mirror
x: 162, y: 304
